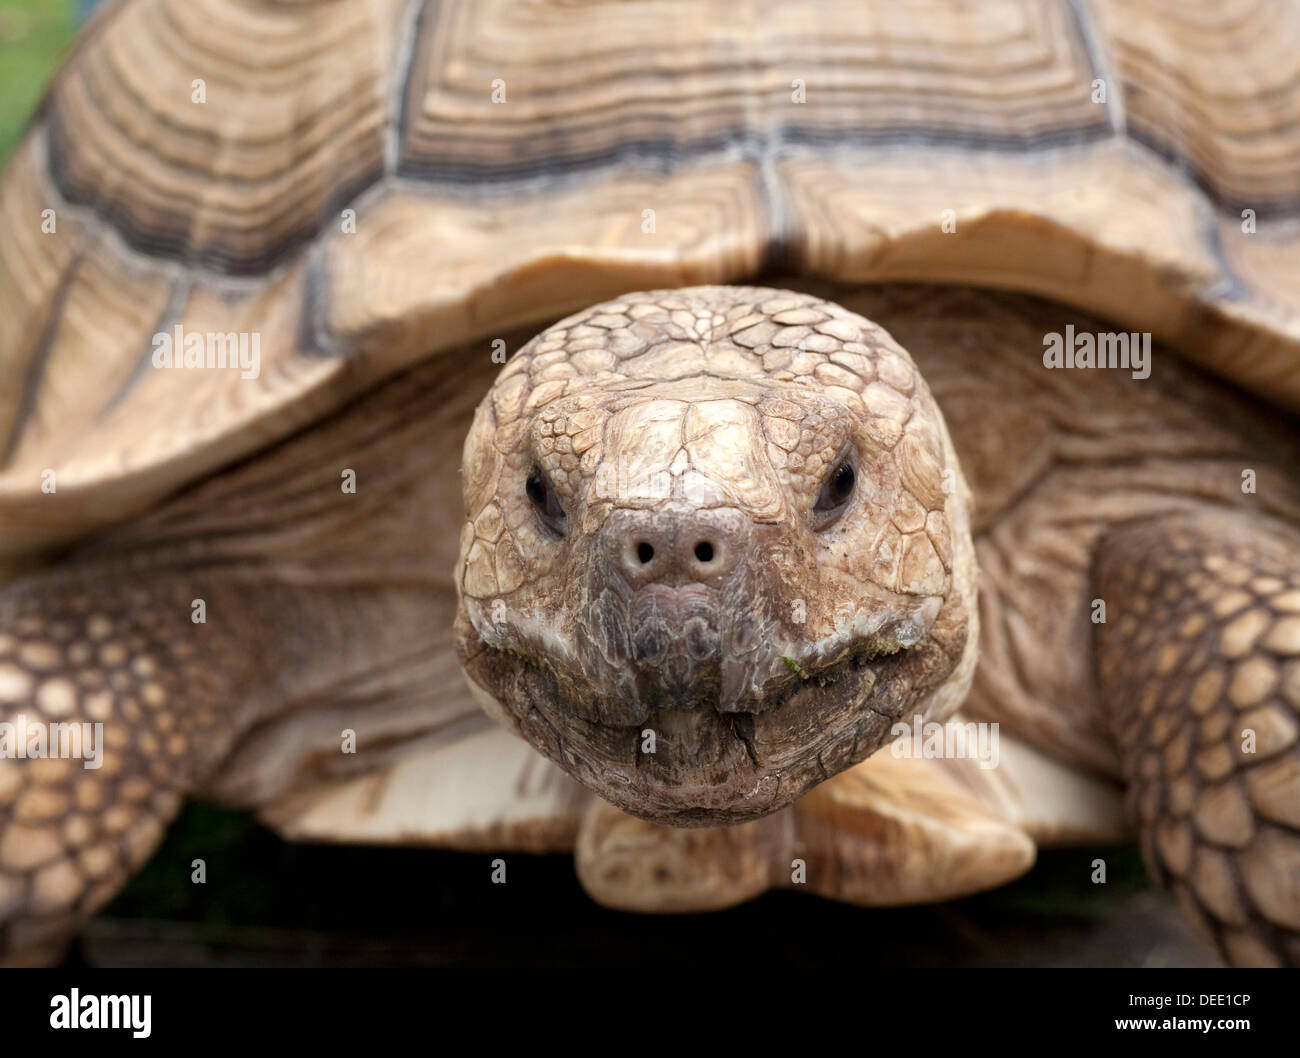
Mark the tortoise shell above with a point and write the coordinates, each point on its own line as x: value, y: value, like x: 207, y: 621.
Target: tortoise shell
x: 361, y: 184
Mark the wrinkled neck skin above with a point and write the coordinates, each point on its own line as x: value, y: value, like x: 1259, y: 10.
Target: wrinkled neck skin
x: 661, y: 586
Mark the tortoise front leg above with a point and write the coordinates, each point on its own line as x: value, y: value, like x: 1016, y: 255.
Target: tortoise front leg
x: 888, y: 831
x: 1198, y: 667
x: 114, y: 704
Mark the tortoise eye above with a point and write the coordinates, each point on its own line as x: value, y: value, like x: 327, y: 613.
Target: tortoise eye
x: 836, y: 491
x: 543, y: 498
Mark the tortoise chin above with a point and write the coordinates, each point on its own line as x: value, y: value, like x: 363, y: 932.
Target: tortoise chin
x: 683, y: 754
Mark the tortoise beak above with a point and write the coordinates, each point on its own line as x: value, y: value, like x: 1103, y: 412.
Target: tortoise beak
x: 674, y: 646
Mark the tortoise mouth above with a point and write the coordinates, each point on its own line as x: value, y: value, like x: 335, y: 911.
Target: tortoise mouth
x: 711, y: 766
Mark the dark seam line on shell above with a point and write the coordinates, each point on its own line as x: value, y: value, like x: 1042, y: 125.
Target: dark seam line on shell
x: 779, y: 244
x: 35, y: 374
x: 1265, y: 208
x: 664, y: 157
x: 181, y: 287
x: 213, y: 258
x: 345, y: 196
x: 313, y: 337
x: 417, y: 21
x: 779, y: 237
x: 176, y: 245
x: 667, y: 155
x: 113, y: 238
x: 731, y: 120
x: 214, y: 141
x: 1228, y: 287
x: 504, y: 181
x: 1099, y: 60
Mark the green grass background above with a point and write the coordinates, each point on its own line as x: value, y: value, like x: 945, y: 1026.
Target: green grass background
x: 34, y: 36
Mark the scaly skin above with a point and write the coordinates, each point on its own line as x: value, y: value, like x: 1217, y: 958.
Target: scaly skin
x: 1199, y: 666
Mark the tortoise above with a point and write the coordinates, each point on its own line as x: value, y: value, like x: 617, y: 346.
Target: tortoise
x: 935, y: 363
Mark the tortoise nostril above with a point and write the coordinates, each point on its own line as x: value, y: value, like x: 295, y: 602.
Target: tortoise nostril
x: 672, y: 549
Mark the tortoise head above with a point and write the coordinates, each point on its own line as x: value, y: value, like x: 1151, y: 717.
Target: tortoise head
x: 716, y: 546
